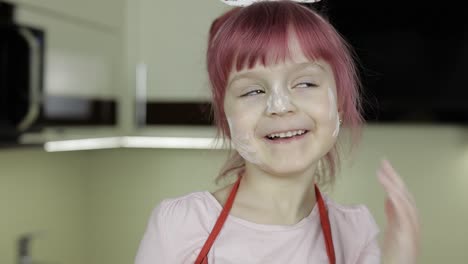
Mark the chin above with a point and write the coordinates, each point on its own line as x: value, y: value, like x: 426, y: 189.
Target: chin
x: 287, y: 167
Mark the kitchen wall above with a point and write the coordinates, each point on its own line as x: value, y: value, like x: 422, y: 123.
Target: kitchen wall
x: 433, y: 160
x: 44, y: 192
x: 93, y: 206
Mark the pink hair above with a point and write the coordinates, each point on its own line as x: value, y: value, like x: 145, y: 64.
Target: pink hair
x: 245, y: 35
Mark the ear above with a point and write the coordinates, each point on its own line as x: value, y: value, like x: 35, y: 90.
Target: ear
x: 340, y: 116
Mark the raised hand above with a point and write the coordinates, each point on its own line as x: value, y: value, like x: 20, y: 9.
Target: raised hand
x: 402, y: 234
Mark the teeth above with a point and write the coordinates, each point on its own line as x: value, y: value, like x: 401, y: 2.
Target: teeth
x: 286, y: 134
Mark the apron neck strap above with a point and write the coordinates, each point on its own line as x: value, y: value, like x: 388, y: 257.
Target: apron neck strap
x: 324, y: 221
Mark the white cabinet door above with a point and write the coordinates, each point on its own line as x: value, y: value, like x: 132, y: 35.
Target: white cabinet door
x: 172, y: 39
x: 83, y: 56
x: 80, y: 60
x: 107, y: 13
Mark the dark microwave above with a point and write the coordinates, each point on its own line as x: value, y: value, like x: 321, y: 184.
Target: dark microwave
x: 21, y: 76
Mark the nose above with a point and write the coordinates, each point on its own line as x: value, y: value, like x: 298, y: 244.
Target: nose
x: 279, y: 103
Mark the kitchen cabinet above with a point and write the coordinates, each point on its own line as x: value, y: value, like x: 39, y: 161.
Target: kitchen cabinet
x: 102, y: 13
x: 83, y: 60
x: 83, y: 69
x: 169, y: 50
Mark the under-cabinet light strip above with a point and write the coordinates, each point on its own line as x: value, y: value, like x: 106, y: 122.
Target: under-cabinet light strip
x: 132, y: 142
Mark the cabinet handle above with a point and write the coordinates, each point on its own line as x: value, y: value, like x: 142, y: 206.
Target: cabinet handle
x: 140, y: 94
x: 34, y: 80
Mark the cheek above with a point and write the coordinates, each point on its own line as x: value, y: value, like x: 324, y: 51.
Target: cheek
x: 315, y: 105
x: 243, y: 115
x: 332, y: 105
x: 242, y: 137
x: 241, y: 125
x: 321, y: 107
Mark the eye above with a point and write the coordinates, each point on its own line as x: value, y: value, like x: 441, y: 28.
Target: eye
x: 254, y: 92
x: 306, y: 85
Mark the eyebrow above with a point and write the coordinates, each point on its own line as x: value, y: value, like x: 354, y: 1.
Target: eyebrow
x: 296, y: 67
x: 313, y: 65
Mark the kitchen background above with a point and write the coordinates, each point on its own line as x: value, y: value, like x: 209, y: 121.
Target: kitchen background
x: 92, y: 206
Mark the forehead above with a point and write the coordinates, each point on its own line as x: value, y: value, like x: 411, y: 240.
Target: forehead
x: 294, y: 61
x: 287, y: 67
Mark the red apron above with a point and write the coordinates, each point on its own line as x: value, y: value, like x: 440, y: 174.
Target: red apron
x: 324, y: 220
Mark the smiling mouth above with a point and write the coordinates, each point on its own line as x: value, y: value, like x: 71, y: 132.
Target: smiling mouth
x: 285, y: 136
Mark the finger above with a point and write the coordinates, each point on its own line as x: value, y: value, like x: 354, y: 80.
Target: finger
x: 399, y: 233
x: 395, y: 179
x: 403, y: 192
x: 401, y: 237
x: 389, y: 209
x: 405, y: 213
x: 396, y: 194
x: 403, y: 208
x: 387, y: 166
x: 400, y: 197
x: 406, y: 233
x: 403, y: 228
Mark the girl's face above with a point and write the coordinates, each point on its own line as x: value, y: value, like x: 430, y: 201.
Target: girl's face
x: 295, y: 101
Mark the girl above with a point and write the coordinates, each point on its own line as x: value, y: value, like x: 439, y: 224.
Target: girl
x: 284, y: 89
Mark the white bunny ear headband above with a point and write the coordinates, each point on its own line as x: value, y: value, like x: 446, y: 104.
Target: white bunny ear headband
x: 249, y: 2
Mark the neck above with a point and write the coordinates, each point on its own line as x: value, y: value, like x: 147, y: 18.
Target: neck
x: 286, y: 198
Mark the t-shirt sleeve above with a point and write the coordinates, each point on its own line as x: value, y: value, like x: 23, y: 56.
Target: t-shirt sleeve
x: 370, y: 253
x: 155, y: 246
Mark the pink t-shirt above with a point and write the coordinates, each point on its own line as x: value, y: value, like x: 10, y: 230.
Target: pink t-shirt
x: 178, y: 228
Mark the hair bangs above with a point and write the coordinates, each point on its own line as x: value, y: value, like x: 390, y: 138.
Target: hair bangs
x: 261, y: 33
